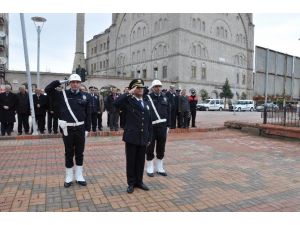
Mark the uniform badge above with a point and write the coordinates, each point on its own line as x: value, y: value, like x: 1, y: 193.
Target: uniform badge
x: 84, y: 97
x: 95, y: 97
x: 165, y: 99
x: 148, y: 107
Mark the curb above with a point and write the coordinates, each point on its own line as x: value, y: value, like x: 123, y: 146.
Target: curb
x: 110, y: 133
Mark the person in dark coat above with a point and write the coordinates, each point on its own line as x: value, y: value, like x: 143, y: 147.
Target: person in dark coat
x: 113, y: 111
x: 95, y: 107
x: 53, y: 111
x: 171, y: 94
x: 101, y: 109
x: 23, y: 110
x: 178, y: 114
x: 137, y: 132
x: 8, y: 104
x: 40, y: 103
x: 122, y: 113
x: 193, y: 100
x: 184, y: 109
x: 75, y: 124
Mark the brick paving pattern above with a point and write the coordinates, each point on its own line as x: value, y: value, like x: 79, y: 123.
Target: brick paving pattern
x: 224, y: 170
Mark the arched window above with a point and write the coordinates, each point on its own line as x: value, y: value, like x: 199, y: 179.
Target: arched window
x: 194, y: 53
x: 138, y: 55
x: 160, y: 24
x: 144, y: 31
x: 133, y: 35
x: 226, y: 34
x: 194, y: 23
x: 156, y: 26
x: 139, y: 32
x: 165, y: 23
x: 165, y: 51
x: 203, y: 26
x: 199, y: 23
x: 218, y: 31
x: 143, y: 55
x: 133, y: 56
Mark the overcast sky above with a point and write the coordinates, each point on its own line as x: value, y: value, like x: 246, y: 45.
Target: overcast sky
x: 275, y: 31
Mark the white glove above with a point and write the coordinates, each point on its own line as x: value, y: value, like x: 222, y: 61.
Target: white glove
x: 5, y: 107
x: 168, y: 130
x: 63, y: 81
x: 86, y: 133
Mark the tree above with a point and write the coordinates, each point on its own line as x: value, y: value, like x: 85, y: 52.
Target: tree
x: 204, y: 94
x: 244, y: 96
x: 226, y: 92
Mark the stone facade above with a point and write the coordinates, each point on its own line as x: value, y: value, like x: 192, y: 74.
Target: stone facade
x: 4, y: 42
x: 189, y: 50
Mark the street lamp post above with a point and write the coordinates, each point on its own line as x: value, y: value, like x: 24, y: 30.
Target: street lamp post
x: 34, y: 126
x: 39, y: 23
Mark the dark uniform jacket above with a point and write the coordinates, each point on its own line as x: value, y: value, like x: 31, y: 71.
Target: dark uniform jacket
x: 95, y: 104
x: 79, y: 103
x: 43, y: 101
x: 53, y: 106
x: 23, y: 106
x: 109, y: 104
x: 163, y: 108
x: 171, y: 98
x: 138, y: 123
x: 8, y: 115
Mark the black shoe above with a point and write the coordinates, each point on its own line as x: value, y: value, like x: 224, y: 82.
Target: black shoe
x: 82, y: 183
x: 130, y: 189
x: 42, y: 132
x: 20, y: 133
x: 69, y: 184
x: 27, y: 133
x: 162, y: 174
x: 9, y: 134
x: 150, y: 174
x: 49, y: 131
x: 142, y: 186
x: 55, y: 132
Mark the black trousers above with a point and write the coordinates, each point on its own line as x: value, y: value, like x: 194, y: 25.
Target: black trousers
x: 94, y: 116
x: 159, y: 137
x: 99, y: 117
x: 135, y: 162
x: 23, y: 122
x: 108, y: 119
x: 40, y: 119
x: 6, y: 128
x: 193, y: 113
x: 52, y: 123
x: 185, y: 119
x: 179, y: 120
x: 114, y: 121
x: 173, y: 119
x: 74, y: 145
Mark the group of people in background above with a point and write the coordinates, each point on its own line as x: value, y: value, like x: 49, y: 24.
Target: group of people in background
x: 183, y: 113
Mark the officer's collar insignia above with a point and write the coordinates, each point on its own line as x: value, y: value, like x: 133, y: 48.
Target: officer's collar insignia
x: 84, y: 97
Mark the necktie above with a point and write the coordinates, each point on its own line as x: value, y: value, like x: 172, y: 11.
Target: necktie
x: 141, y: 103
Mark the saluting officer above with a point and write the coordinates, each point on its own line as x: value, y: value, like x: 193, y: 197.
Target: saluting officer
x: 137, y: 132
x: 161, y: 121
x: 75, y: 121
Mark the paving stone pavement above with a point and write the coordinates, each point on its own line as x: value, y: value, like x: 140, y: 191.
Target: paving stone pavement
x: 216, y: 171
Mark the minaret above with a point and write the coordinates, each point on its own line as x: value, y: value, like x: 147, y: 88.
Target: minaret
x: 79, y: 52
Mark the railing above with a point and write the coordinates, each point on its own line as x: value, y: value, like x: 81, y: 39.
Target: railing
x: 287, y: 116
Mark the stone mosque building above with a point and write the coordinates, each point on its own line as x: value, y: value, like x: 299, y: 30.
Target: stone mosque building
x: 188, y: 50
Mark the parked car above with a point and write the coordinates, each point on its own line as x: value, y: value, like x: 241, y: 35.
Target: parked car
x: 211, y: 104
x: 200, y: 107
x: 243, y: 105
x: 270, y: 107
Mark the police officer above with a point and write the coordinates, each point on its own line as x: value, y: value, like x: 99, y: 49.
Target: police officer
x: 161, y: 121
x: 193, y: 100
x: 171, y: 94
x: 8, y: 104
x: 95, y: 107
x: 40, y: 102
x: 75, y: 121
x: 137, y: 132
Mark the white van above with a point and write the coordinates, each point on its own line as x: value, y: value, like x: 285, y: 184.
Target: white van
x: 212, y: 104
x: 244, y: 105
